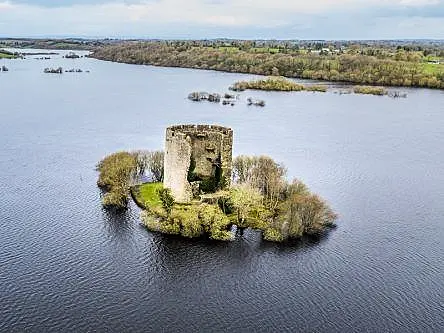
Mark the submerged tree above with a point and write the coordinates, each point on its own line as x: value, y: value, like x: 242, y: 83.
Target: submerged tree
x: 151, y: 164
x: 285, y: 210
x: 302, y: 213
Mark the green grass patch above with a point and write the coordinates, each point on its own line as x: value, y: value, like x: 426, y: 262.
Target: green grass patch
x: 229, y: 49
x: 433, y: 58
x: 265, y: 50
x: 433, y: 68
x: 146, y: 195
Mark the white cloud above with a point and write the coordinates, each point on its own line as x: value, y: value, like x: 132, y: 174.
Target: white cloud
x: 5, y: 6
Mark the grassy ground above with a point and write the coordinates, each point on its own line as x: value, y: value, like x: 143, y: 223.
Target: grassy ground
x: 265, y: 50
x: 146, y: 195
x: 228, y: 48
x: 433, y: 68
x: 433, y: 58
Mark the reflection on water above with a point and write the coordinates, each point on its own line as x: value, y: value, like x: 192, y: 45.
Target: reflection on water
x: 69, y: 265
x: 119, y: 223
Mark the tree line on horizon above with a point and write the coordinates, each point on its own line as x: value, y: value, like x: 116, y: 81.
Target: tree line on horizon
x: 400, y: 66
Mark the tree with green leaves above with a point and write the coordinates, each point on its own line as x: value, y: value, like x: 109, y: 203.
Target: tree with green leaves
x: 167, y: 199
x: 247, y: 202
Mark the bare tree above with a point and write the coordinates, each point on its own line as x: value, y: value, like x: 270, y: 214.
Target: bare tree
x: 151, y: 164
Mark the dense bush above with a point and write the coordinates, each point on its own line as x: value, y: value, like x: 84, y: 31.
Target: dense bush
x: 275, y: 83
x: 191, y: 221
x: 302, y: 213
x: 215, y: 222
x: 247, y: 202
x: 116, y: 173
x: 380, y: 91
x: 119, y: 171
x: 262, y: 173
x: 166, y: 198
x: 269, y: 84
x: 273, y: 235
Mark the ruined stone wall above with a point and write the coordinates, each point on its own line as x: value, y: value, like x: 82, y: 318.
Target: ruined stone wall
x: 197, y: 154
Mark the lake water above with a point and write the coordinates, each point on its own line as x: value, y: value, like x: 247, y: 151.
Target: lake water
x: 67, y: 265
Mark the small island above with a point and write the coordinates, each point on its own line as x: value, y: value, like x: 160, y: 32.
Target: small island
x: 227, y: 99
x: 197, y: 189
x: 279, y: 83
x: 58, y: 70
x: 275, y: 83
x: 4, y: 54
x: 71, y: 55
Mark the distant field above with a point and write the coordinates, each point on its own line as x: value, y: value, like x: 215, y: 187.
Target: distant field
x: 254, y: 49
x: 228, y: 48
x: 434, y: 58
x: 433, y: 68
x: 265, y: 49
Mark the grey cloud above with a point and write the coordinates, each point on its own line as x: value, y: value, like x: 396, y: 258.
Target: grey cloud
x: 67, y: 3
x: 340, y: 23
x: 436, y: 10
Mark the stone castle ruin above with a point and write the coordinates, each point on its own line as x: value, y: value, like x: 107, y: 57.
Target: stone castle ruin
x: 198, y: 160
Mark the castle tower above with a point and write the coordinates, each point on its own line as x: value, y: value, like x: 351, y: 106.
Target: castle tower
x: 198, y: 160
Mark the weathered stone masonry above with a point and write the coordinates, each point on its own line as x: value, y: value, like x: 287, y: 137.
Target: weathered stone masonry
x: 197, y: 160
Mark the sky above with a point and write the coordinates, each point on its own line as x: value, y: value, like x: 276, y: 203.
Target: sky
x: 243, y: 19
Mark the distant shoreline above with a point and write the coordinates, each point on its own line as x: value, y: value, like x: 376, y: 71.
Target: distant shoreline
x: 393, y: 67
x: 409, y: 64
x: 321, y: 81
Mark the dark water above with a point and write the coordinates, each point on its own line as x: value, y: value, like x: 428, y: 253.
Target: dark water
x: 68, y: 265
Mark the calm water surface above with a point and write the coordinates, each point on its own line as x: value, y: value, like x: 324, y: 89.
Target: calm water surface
x: 68, y: 265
